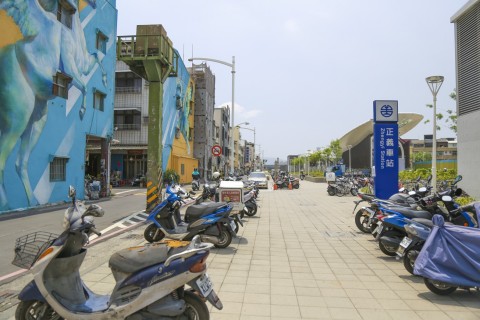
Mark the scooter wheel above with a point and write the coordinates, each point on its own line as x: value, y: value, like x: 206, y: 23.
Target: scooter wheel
x: 389, y: 250
x: 224, y: 238
x: 150, y: 232
x: 252, y: 211
x: 195, y: 307
x: 32, y: 309
x: 331, y: 191
x: 361, y: 220
x: 409, y: 258
x: 438, y: 287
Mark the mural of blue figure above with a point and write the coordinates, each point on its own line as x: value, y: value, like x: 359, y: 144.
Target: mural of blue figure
x: 27, y: 72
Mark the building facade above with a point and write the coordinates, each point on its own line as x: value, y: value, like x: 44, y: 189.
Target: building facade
x: 467, y: 63
x: 129, y: 153
x: 222, y: 138
x: 57, y: 66
x: 204, y: 122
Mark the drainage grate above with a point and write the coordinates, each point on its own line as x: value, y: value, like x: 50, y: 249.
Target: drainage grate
x: 133, y: 236
x: 8, y: 299
x: 339, y: 234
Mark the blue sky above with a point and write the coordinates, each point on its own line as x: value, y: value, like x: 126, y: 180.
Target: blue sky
x: 309, y: 70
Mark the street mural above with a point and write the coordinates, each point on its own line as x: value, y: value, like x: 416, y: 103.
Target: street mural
x: 176, y: 110
x: 50, y: 66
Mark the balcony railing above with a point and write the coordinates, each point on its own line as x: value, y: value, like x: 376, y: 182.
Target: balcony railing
x: 128, y: 89
x: 135, y: 126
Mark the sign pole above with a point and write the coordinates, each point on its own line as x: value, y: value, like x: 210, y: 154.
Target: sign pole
x: 385, y: 147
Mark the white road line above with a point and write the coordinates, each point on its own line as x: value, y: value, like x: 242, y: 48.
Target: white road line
x: 124, y: 191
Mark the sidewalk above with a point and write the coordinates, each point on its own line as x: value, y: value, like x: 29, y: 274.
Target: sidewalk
x: 301, y: 257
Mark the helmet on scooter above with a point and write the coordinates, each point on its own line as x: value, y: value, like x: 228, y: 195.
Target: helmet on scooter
x: 403, y: 199
x: 216, y: 175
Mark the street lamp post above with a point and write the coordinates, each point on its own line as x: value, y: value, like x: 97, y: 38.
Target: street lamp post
x: 238, y: 126
x: 434, y: 83
x: 231, y: 65
x: 350, y: 158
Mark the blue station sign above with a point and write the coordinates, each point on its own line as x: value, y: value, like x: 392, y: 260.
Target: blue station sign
x: 385, y: 147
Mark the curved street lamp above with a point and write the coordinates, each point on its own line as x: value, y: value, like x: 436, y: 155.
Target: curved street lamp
x: 434, y: 83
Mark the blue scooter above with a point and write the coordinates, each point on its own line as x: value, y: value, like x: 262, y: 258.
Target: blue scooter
x: 150, y: 280
x: 209, y: 220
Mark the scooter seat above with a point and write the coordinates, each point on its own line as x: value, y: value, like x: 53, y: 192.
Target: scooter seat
x: 428, y: 222
x: 413, y: 213
x: 132, y: 259
x: 194, y: 212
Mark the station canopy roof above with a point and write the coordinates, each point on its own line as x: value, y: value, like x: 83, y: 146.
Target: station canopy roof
x: 406, y: 122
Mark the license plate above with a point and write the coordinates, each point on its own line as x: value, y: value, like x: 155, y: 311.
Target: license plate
x: 403, y: 245
x: 205, y: 285
x: 233, y: 225
x: 378, y: 229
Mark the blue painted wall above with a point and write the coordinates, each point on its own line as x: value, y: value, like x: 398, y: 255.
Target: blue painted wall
x: 44, y: 125
x: 175, y: 88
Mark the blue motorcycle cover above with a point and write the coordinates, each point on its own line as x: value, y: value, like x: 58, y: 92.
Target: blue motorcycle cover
x: 451, y: 255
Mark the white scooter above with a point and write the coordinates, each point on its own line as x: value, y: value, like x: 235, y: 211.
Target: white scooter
x: 150, y: 280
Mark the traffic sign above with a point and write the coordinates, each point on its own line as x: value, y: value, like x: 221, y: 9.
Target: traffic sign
x: 216, y: 150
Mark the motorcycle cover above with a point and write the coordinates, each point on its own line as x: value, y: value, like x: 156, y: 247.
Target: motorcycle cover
x: 451, y: 255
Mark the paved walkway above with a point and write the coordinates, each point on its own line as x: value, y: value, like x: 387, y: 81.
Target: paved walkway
x: 301, y: 257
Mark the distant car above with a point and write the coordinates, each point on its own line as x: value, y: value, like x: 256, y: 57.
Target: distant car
x: 260, y: 178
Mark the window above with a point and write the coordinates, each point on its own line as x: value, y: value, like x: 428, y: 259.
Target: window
x: 65, y: 12
x: 98, y: 100
x: 177, y: 133
x: 182, y: 169
x: 58, y: 169
x: 60, y: 85
x: 128, y: 82
x: 101, y: 43
x: 127, y: 119
x: 190, y: 134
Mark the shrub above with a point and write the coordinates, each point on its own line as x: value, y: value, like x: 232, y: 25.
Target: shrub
x: 170, y: 175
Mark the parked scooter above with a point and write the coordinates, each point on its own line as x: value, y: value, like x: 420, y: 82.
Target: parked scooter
x: 450, y: 258
x: 418, y: 230
x: 209, y: 220
x: 150, y: 280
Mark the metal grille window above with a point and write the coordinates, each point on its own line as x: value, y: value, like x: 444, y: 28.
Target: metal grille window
x: 99, y: 100
x: 182, y: 169
x: 60, y: 84
x: 58, y: 169
x: 468, y: 61
x: 65, y: 12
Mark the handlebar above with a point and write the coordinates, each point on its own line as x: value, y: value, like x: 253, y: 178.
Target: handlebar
x: 92, y: 229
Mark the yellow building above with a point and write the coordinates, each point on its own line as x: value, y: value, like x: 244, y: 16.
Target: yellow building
x: 181, y: 159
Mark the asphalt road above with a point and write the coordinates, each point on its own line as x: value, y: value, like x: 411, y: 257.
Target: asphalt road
x: 123, y: 204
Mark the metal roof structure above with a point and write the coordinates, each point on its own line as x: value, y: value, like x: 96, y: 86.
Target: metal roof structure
x: 406, y: 122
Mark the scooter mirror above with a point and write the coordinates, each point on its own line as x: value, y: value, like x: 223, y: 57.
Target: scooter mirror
x: 458, y: 179
x: 458, y: 192
x: 447, y: 199
x: 71, y: 192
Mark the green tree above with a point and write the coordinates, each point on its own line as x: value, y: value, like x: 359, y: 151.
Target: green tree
x: 450, y: 118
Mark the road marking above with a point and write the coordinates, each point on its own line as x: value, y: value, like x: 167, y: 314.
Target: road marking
x: 116, y: 193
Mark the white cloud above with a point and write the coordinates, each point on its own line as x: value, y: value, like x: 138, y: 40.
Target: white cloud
x: 242, y: 113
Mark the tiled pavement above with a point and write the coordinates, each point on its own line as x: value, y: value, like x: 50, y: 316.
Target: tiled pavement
x: 301, y: 257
